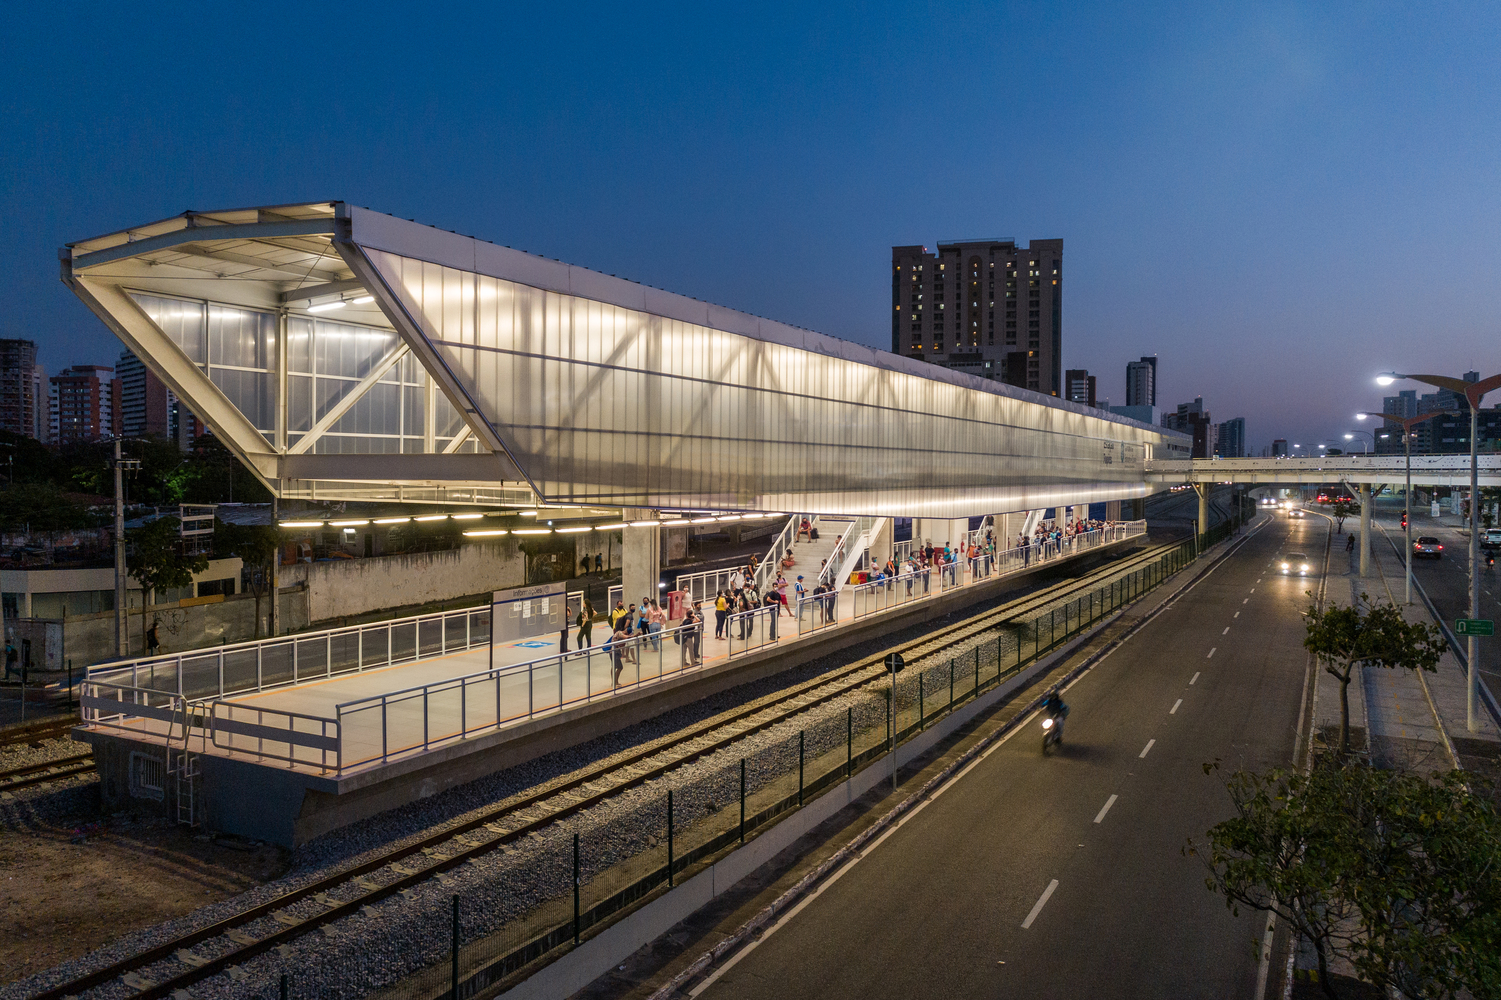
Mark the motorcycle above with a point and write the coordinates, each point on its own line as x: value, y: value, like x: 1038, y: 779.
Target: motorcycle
x: 1052, y: 734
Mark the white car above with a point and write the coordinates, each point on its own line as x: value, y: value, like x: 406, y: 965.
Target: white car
x: 1296, y: 564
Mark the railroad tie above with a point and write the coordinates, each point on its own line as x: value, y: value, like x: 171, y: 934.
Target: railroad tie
x: 283, y: 917
x: 366, y: 884
x: 240, y: 937
x: 137, y: 982
x: 196, y: 961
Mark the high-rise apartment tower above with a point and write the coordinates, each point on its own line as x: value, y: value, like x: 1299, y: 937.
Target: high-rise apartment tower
x: 987, y: 307
x: 22, y: 406
x: 1141, y: 382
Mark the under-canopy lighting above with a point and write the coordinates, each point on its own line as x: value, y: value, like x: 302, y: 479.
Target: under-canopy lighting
x: 613, y: 525
x: 702, y: 520
x: 573, y: 531
x: 302, y: 524
x: 346, y: 524
x: 324, y: 307
x: 728, y: 517
x: 431, y: 517
x: 532, y: 531
x: 488, y: 533
x: 391, y: 520
x: 363, y: 300
x: 645, y: 524
x: 466, y: 517
x: 528, y: 513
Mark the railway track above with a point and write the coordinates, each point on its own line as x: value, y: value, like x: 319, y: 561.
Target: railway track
x: 51, y: 770
x: 518, y: 816
x: 31, y: 732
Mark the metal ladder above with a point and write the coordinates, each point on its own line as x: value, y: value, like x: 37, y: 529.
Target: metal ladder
x: 182, y: 767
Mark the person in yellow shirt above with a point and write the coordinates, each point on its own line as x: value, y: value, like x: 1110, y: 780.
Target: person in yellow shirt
x: 721, y: 614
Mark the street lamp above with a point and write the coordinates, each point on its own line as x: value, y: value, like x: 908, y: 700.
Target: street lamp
x: 1351, y: 437
x: 1407, y: 424
x: 1473, y: 392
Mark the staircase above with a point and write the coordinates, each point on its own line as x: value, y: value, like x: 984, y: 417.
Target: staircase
x: 809, y: 555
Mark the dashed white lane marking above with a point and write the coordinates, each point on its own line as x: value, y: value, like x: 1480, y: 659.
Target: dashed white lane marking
x: 1246, y: 601
x: 1253, y: 589
x: 1194, y: 677
x: 1146, y: 748
x: 1211, y: 652
x: 1174, y: 709
x: 1237, y: 614
x: 1105, y: 808
x: 1227, y: 630
x: 1043, y: 901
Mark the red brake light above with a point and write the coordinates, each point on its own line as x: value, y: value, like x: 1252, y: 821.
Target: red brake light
x: 1441, y: 548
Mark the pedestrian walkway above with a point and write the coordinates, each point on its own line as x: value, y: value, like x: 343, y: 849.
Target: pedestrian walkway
x: 1412, y: 719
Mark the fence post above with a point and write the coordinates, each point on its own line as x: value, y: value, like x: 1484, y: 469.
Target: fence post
x: 285, y: 991
x: 455, y: 946
x: 742, y: 799
x: 575, y: 888
x: 922, y: 713
x: 802, y: 744
x: 977, y: 671
x: 849, y: 741
x: 669, y: 838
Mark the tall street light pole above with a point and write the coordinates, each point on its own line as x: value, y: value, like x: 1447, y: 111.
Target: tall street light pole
x: 1473, y: 392
x: 1407, y: 424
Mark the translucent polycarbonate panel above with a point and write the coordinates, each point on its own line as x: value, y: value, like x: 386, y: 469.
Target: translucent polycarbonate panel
x: 599, y: 403
x: 234, y: 346
x: 326, y: 360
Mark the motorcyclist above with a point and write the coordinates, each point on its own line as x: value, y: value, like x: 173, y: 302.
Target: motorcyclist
x: 1056, y: 710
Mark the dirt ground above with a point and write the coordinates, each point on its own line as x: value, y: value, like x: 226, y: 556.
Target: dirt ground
x: 70, y: 886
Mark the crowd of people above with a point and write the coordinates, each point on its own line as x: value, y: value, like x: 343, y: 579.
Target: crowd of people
x: 638, y: 626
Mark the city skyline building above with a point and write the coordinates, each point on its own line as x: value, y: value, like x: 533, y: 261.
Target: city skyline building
x: 1141, y: 382
x: 83, y: 405
x: 22, y: 399
x: 1192, y: 418
x: 145, y: 401
x: 986, y: 307
x: 1279, y: 448
x: 1230, y: 438
x: 1079, y: 387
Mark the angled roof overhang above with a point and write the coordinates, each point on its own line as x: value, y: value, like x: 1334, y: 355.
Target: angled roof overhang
x: 344, y: 353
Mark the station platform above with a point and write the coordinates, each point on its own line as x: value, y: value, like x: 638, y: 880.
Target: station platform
x: 288, y: 738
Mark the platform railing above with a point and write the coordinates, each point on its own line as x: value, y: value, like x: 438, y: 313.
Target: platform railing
x: 296, y: 737
x: 817, y: 611
x: 758, y: 627
x: 880, y: 595
x: 382, y: 726
x: 767, y: 570
x: 132, y: 709
x: 258, y: 665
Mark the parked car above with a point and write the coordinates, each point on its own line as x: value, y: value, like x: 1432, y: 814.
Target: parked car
x: 1427, y: 545
x: 1490, y: 538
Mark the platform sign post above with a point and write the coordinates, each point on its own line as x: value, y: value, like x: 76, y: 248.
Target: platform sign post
x: 1475, y: 626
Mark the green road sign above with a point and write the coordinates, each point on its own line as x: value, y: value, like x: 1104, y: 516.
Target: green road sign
x: 1475, y: 626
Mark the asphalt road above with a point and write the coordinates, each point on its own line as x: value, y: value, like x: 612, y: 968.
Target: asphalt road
x: 1447, y: 580
x: 937, y: 909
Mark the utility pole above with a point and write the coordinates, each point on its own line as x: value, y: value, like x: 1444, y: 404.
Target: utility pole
x: 275, y: 622
x: 122, y: 638
x: 122, y: 616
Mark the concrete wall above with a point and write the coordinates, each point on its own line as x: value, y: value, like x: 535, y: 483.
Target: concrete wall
x: 91, y: 638
x: 346, y: 587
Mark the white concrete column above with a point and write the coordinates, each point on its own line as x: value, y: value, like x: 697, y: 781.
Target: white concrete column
x: 642, y: 563
x: 880, y: 549
x: 1112, y: 510
x: 1202, y: 489
x: 1364, y: 496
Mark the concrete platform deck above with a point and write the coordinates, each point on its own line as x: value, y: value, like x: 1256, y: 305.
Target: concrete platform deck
x: 320, y: 754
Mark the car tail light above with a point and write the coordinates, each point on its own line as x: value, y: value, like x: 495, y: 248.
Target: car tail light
x: 1441, y: 548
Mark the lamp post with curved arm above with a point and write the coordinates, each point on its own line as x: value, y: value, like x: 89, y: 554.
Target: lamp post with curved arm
x: 1473, y: 392
x: 1407, y: 424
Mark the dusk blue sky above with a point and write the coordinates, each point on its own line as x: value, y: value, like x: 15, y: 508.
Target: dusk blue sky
x: 1278, y: 200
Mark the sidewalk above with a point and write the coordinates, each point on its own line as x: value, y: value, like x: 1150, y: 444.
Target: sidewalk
x: 1416, y: 721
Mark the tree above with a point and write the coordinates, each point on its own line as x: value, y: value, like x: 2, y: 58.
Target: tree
x: 1342, y: 510
x: 256, y: 545
x: 1393, y: 872
x: 1343, y: 638
x: 158, y: 563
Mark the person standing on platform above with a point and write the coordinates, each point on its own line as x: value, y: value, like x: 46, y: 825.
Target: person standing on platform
x: 618, y: 646
x: 585, y: 622
x: 721, y: 614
